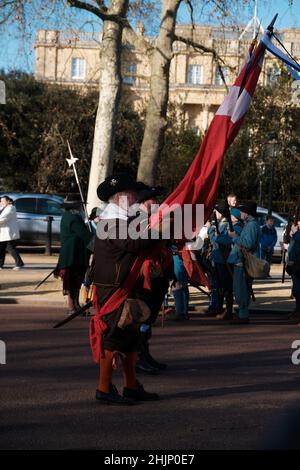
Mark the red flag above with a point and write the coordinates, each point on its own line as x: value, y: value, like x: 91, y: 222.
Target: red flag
x: 200, y: 184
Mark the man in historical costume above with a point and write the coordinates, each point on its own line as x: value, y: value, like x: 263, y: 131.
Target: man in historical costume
x: 248, y: 240
x: 221, y: 247
x: 74, y: 255
x: 115, y: 254
x: 161, y: 270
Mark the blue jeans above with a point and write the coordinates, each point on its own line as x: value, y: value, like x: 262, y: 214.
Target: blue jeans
x: 266, y: 254
x: 181, y: 297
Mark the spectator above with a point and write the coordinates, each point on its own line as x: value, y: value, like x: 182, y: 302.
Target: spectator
x: 9, y: 233
x: 268, y: 240
x: 232, y: 200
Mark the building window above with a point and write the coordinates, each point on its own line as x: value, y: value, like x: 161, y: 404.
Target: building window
x: 130, y: 74
x: 218, y: 77
x: 273, y: 73
x: 78, y: 69
x: 195, y: 74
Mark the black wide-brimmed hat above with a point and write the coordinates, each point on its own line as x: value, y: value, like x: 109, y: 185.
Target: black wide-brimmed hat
x: 146, y: 192
x: 223, y: 208
x: 72, y: 201
x: 115, y: 184
x: 249, y: 208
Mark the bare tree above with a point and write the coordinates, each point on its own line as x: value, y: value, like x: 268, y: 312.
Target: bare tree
x: 156, y: 115
x: 115, y: 26
x: 110, y: 83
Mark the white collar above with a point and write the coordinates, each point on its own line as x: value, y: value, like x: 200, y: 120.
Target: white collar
x: 113, y: 211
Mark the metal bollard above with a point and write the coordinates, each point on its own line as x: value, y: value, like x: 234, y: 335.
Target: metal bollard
x: 48, y: 248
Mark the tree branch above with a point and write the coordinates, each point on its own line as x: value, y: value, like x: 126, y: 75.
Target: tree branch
x: 208, y: 50
x: 100, y: 11
x: 101, y: 5
x: 196, y: 45
x: 133, y: 38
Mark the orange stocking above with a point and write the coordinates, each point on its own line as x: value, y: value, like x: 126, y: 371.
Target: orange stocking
x: 106, y: 371
x: 129, y: 363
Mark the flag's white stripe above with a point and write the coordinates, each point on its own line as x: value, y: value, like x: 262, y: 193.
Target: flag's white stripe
x: 242, y: 106
x: 229, y: 103
x: 234, y: 105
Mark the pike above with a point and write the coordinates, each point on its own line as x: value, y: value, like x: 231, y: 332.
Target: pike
x: 45, y: 279
x: 71, y: 162
x: 216, y: 223
x: 283, y: 264
x: 74, y: 315
x: 200, y: 289
x: 229, y: 215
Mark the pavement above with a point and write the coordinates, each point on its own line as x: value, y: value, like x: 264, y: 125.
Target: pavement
x: 226, y: 386
x: 19, y: 286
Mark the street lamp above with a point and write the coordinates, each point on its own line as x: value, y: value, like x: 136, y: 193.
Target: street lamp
x: 261, y: 172
x: 272, y: 140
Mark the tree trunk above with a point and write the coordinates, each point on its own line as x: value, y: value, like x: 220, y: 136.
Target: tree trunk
x: 159, y: 95
x: 109, y: 99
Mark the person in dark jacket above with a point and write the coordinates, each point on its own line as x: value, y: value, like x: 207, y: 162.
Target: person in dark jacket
x: 268, y: 239
x: 160, y: 271
x: 115, y: 253
x: 74, y: 256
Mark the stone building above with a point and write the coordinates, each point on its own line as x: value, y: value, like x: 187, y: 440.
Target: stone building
x: 196, y: 85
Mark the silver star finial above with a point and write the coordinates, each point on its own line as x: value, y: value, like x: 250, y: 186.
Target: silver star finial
x: 71, y: 161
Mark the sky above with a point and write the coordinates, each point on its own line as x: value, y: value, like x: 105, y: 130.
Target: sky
x: 17, y: 52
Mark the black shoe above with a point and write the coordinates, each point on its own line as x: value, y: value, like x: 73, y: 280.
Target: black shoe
x: 227, y: 316
x: 139, y: 394
x: 153, y: 363
x: 143, y: 366
x: 213, y: 313
x: 113, y: 397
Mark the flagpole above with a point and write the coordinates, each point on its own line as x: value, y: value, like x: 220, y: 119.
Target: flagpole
x: 71, y: 162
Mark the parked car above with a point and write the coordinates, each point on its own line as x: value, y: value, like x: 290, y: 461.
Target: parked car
x: 279, y: 223
x: 32, y: 212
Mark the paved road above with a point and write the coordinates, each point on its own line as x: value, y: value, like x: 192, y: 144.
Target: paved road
x: 225, y: 388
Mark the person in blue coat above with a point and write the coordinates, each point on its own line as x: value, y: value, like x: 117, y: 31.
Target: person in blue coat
x: 223, y: 273
x: 268, y: 239
x: 294, y: 259
x: 249, y: 240
x: 180, y: 288
x: 225, y: 270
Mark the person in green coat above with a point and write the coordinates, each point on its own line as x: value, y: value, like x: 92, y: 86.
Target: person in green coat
x: 74, y: 255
